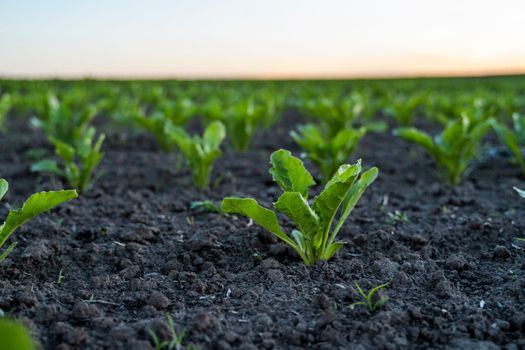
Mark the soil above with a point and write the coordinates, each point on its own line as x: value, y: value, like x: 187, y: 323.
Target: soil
x: 103, y: 270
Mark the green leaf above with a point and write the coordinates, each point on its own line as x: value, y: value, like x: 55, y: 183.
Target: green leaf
x: 48, y: 165
x: 417, y: 137
x: 308, y: 135
x: 294, y: 205
x: 214, y: 135
x: 262, y: 216
x: 353, y: 196
x: 200, y: 152
x: 329, y: 200
x: 476, y: 134
x: 34, y: 206
x: 346, y: 140
x: 377, y: 127
x: 63, y: 150
x: 90, y: 161
x: 299, y: 239
x: 7, y: 251
x: 519, y: 127
x: 207, y: 205
x: 290, y: 173
x: 328, y: 149
x: 375, y: 289
x: 521, y: 193
x: 4, y: 186
x: 327, y: 203
x: 14, y: 335
x: 452, y: 137
x: 509, y: 139
x: 181, y: 138
x: 332, y: 249
x: 155, y: 124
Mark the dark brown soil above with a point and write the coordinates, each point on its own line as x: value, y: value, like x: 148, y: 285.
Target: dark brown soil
x: 131, y: 252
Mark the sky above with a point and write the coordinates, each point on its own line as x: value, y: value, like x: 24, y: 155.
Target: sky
x: 260, y: 39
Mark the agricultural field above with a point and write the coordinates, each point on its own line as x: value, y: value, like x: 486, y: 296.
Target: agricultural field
x: 363, y: 214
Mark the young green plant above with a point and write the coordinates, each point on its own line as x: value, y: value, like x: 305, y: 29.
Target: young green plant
x: 65, y: 121
x: 200, y: 151
x: 335, y: 111
x: 396, y: 216
x: 326, y: 152
x: 175, y: 341
x: 513, y: 138
x: 241, y: 119
x: 155, y: 125
x: 403, y: 108
x: 454, y: 148
x: 35, y: 205
x: 317, y: 226
x: 370, y: 299
x: 176, y: 112
x: 78, y: 163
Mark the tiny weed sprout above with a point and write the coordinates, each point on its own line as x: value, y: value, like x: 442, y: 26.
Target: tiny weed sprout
x: 14, y: 335
x: 60, y: 277
x: 79, y: 163
x: 395, y: 217
x: 370, y: 300
x: 175, y: 341
x: 454, y: 148
x: 314, y: 238
x: 513, y: 138
x: 521, y: 193
x: 35, y: 205
x: 200, y: 152
x: 326, y: 152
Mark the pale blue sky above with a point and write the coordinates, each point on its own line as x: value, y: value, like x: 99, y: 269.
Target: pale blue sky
x: 271, y: 38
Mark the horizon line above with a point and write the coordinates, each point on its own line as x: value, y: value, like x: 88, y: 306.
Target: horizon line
x: 392, y: 75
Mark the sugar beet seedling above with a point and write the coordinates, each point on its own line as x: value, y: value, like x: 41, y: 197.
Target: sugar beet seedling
x: 314, y: 238
x: 35, y: 205
x: 513, y: 138
x: 78, y: 162
x: 199, y: 151
x: 327, y: 152
x: 454, y: 148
